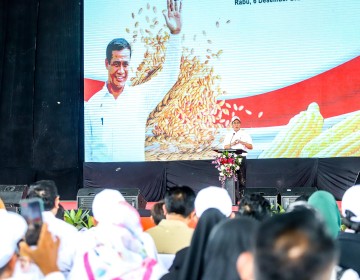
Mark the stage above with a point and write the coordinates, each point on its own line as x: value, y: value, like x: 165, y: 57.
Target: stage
x: 152, y: 178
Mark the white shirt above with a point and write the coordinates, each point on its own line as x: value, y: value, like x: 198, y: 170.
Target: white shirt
x: 239, y: 135
x: 115, y: 128
x: 68, y: 236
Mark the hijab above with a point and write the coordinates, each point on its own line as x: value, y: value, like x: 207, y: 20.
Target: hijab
x: 325, y: 203
x: 194, y: 261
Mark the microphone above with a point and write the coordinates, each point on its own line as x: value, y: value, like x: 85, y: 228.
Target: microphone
x: 232, y: 139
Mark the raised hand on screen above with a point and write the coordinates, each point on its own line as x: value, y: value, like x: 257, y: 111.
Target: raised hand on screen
x: 173, y: 16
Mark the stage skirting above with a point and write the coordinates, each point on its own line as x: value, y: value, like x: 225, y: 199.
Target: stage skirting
x: 152, y: 178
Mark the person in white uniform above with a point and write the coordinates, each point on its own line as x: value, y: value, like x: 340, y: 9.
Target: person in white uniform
x: 115, y: 117
x: 239, y: 139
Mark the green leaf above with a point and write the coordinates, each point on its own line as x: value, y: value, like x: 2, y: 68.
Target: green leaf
x: 68, y: 220
x: 78, y: 215
x: 90, y: 222
x: 79, y: 218
x: 72, y: 214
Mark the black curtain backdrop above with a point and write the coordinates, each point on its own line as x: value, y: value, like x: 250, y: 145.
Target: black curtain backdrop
x: 334, y: 175
x: 41, y: 118
x: 41, y: 92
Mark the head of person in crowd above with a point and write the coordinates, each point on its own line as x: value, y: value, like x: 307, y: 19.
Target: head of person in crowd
x: 301, y: 205
x: 193, y: 265
x: 255, y: 205
x: 325, y: 203
x: 109, y: 201
x: 303, y: 197
x: 47, y: 191
x: 157, y: 212
x: 213, y: 197
x: 118, y: 55
x: 13, y: 228
x: 116, y: 247
x: 236, y: 123
x: 60, y: 212
x: 179, y: 202
x: 227, y: 241
x: 294, y: 245
x: 350, y: 208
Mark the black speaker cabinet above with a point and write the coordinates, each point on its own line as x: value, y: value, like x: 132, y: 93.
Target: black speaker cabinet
x: 85, y: 197
x: 289, y: 195
x: 268, y: 193
x: 11, y: 196
x: 357, y: 180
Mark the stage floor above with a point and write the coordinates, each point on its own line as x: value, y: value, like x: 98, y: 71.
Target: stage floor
x: 146, y: 220
x: 72, y: 204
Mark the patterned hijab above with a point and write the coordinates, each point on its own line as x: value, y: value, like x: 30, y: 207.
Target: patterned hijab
x: 117, y: 249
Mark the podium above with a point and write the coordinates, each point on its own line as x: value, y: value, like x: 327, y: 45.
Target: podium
x: 232, y: 186
x: 235, y: 151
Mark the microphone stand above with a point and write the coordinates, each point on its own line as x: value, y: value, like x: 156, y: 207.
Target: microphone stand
x: 231, y: 140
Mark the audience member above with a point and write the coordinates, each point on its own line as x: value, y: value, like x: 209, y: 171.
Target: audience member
x: 117, y: 247
x: 193, y: 265
x: 339, y: 272
x: 325, y: 203
x: 255, y: 205
x: 48, y: 192
x: 349, y: 240
x: 188, y: 262
x: 45, y: 254
x: 13, y: 228
x: 157, y: 212
x: 60, y: 212
x: 213, y: 197
x: 293, y: 245
x: 300, y: 205
x: 227, y: 241
x: 303, y: 197
x: 173, y: 233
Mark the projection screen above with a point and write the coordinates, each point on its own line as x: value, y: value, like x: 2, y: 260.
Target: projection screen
x: 288, y: 69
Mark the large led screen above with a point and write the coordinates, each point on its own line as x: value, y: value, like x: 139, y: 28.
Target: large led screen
x: 288, y: 69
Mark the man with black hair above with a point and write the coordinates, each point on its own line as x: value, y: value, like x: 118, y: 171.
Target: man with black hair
x: 173, y: 233
x: 115, y: 117
x: 289, y: 246
x: 255, y: 205
x: 47, y: 191
x: 157, y: 212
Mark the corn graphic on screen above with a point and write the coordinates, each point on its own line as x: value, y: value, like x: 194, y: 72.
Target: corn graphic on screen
x: 163, y: 79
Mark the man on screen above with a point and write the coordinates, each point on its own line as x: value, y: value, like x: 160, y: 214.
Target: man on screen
x: 115, y: 117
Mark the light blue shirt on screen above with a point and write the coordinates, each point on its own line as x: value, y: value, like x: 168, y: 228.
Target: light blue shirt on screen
x: 115, y: 128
